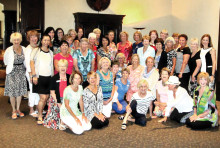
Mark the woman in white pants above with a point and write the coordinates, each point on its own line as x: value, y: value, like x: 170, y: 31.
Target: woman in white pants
x: 69, y: 111
x: 32, y: 37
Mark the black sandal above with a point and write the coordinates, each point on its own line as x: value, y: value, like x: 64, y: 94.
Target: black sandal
x: 124, y: 126
x: 121, y: 117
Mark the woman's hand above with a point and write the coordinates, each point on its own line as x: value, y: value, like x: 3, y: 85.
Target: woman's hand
x: 78, y: 121
x: 163, y: 120
x: 101, y: 117
x: 193, y: 118
x: 193, y: 78
x: 119, y: 106
x: 84, y: 118
x: 35, y: 80
x: 212, y: 79
x: 128, y: 109
x: 180, y: 75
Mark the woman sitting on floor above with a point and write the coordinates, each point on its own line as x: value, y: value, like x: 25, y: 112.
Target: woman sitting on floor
x: 121, y: 86
x: 57, y: 85
x: 179, y: 100
x: 93, y: 102
x: 138, y: 107
x: 161, y: 93
x: 205, y: 110
x: 69, y: 112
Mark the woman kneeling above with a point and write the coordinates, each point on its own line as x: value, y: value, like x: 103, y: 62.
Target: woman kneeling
x: 138, y: 107
x: 69, y: 111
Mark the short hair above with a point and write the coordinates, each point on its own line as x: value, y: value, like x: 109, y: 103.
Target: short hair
x: 92, y: 35
x: 141, y: 82
x: 64, y: 42
x: 159, y: 40
x: 148, y: 59
x: 91, y: 73
x: 139, y: 34
x: 146, y: 37
x: 135, y: 55
x: 63, y: 62
x: 210, y: 40
x: 84, y: 40
x: 32, y: 33
x: 66, y: 37
x: 164, y: 31
x: 100, y: 62
x: 106, y: 39
x: 15, y: 35
x: 170, y: 39
x: 115, y: 62
x: 184, y: 36
x: 73, y: 75
x: 175, y: 35
x: 152, y: 32
x: 120, y: 55
x: 125, y: 69
x: 203, y: 75
x: 194, y: 40
x: 96, y: 30
x: 123, y: 32
x: 165, y: 69
x: 71, y: 30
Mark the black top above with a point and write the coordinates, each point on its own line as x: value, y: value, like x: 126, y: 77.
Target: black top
x: 163, y: 61
x: 192, y: 62
x: 55, y: 84
x: 208, y: 59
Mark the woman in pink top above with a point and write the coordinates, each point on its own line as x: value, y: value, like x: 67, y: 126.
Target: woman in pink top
x: 161, y: 93
x: 125, y: 46
x: 64, y: 46
x: 136, y: 72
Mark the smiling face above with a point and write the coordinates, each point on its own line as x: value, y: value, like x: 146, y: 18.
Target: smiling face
x: 45, y: 41
x: 80, y: 32
x: 182, y: 41
x: 115, y: 69
x: 105, y: 64
x: 73, y: 34
x: 159, y: 46
x: 135, y: 60
x: 194, y: 46
x: 205, y: 41
x: 64, y: 48
x: 203, y: 82
x: 164, y: 76
x: 70, y: 40
x: 171, y: 86
x: 84, y: 45
x: 92, y: 80
x: 121, y: 60
x: 125, y: 75
x: 51, y: 34
x: 33, y: 39
x: 111, y: 36
x: 153, y: 36
x: 123, y: 37
x: 176, y: 40
x: 104, y: 42
x: 62, y: 69
x: 16, y: 41
x: 136, y: 37
x: 143, y: 88
x: 76, y: 79
x: 146, y: 42
x: 169, y: 44
x: 60, y: 34
x: 92, y: 40
x: 150, y: 63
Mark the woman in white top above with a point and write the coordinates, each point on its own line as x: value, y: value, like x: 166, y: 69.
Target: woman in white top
x: 15, y: 83
x: 208, y: 57
x: 32, y: 37
x: 145, y: 51
x: 41, y: 72
x: 179, y: 100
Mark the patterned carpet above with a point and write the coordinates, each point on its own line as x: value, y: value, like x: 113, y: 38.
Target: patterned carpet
x: 26, y: 133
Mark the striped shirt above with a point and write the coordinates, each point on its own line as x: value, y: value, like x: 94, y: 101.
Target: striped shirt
x: 143, y: 103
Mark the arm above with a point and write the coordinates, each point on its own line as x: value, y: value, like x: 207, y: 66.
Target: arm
x: 185, y: 62
x: 174, y: 65
x: 75, y: 63
x: 98, y: 58
x: 198, y: 66
x: 82, y: 109
x: 93, y: 64
x: 56, y: 65
x: 213, y: 55
x: 35, y: 79
x: 52, y: 93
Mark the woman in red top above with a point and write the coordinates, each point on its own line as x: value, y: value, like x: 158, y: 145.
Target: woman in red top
x: 125, y: 46
x: 92, y: 39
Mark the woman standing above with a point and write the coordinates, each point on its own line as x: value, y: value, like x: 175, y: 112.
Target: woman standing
x: 138, y: 41
x: 103, y: 51
x: 59, y: 33
x: 63, y: 55
x: 161, y: 55
x: 69, y: 112
x: 97, y: 31
x: 183, y: 55
x: 205, y: 109
x: 171, y: 55
x: 92, y: 46
x: 125, y: 46
x: 136, y: 72
x: 112, y: 46
x: 145, y: 51
x: 105, y: 79
x: 32, y: 37
x: 176, y: 39
x: 15, y: 83
x: 208, y: 57
x: 83, y: 59
x: 93, y: 102
x: 194, y: 64
x: 153, y: 36
x: 51, y: 32
x: 79, y: 33
x: 73, y: 34
x: 41, y: 72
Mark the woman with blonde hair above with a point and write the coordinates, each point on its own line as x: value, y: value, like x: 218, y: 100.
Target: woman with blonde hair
x: 97, y: 31
x: 73, y: 34
x: 137, y: 36
x: 121, y: 59
x: 15, y: 83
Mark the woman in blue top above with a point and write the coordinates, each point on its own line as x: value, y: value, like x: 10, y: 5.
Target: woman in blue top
x: 122, y: 85
x: 105, y: 79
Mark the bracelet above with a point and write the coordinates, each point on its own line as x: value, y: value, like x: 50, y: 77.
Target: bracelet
x: 34, y: 76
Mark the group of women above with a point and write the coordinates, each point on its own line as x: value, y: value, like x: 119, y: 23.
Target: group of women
x: 83, y: 81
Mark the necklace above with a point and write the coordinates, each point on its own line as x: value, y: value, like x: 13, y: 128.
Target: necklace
x: 105, y: 74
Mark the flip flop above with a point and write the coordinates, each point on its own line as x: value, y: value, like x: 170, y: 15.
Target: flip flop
x: 121, y: 117
x: 40, y: 121
x: 14, y: 115
x: 33, y: 114
x: 123, y: 126
x: 20, y: 114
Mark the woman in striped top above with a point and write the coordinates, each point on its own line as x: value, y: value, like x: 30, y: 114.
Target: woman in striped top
x: 105, y: 79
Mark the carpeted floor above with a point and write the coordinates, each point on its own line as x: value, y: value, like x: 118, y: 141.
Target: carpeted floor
x: 25, y: 133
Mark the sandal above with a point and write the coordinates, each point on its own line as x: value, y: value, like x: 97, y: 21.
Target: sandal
x: 20, y: 114
x: 121, y: 117
x: 33, y: 114
x: 124, y: 126
x: 40, y: 121
x: 14, y: 115
x: 62, y: 127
